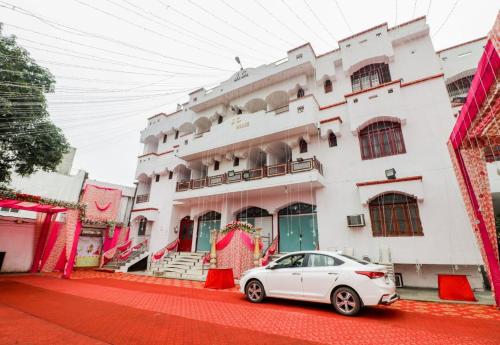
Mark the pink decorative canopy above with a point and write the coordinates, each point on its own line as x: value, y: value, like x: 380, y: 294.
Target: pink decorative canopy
x: 31, y: 206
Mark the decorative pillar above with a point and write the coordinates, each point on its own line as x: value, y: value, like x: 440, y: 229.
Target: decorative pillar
x: 256, y: 249
x: 213, y: 251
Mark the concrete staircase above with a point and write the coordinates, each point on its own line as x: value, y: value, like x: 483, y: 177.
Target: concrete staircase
x: 122, y: 266
x: 182, y: 265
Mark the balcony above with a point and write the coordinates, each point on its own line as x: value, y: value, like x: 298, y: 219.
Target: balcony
x: 243, y: 131
x: 156, y: 163
x: 270, y: 171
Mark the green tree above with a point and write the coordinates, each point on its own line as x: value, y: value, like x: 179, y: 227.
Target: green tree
x: 29, y: 141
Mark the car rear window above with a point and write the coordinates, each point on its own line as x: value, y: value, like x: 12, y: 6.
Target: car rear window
x: 362, y: 262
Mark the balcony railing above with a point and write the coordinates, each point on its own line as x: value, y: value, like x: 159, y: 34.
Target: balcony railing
x: 142, y: 198
x: 293, y: 167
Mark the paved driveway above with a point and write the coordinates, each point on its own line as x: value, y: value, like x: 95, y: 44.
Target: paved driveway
x: 101, y: 308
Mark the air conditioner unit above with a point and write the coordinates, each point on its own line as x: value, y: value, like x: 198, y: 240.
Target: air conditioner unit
x: 357, y: 220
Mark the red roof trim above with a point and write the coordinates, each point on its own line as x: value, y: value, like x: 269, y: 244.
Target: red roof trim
x: 435, y: 76
x: 332, y: 105
x: 331, y: 119
x: 403, y: 179
x: 407, y: 23
x: 372, y: 88
x: 145, y: 209
x: 462, y: 44
x: 363, y: 32
x: 157, y: 154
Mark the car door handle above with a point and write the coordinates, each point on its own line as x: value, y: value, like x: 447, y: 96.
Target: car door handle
x: 296, y: 274
x: 332, y: 273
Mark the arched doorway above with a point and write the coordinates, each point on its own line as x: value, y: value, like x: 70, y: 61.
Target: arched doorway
x: 259, y: 218
x: 206, y: 222
x: 185, y: 234
x: 298, y: 228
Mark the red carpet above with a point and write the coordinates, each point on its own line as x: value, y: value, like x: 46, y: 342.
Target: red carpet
x: 45, y: 310
x: 455, y: 287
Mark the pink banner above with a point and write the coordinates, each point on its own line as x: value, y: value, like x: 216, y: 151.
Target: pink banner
x: 54, y: 232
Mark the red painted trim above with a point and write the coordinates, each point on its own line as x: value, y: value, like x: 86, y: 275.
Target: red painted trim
x: 462, y: 44
x: 331, y: 119
x: 158, y: 154
x: 145, y: 209
x: 407, y: 23
x: 402, y: 179
x: 332, y: 105
x: 372, y: 88
x: 435, y: 76
x: 363, y: 32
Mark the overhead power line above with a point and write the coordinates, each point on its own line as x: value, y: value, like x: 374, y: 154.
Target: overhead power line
x: 343, y: 17
x: 320, y: 21
x: 446, y: 19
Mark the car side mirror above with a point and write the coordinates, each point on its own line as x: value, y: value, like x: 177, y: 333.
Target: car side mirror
x: 271, y: 266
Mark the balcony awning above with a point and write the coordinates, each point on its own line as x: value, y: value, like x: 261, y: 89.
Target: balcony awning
x: 407, y: 185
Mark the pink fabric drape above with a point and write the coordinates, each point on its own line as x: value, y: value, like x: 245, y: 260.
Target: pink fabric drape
x: 102, y: 208
x: 168, y: 248
x: 42, y: 240
x: 236, y: 255
x: 224, y: 242
x: 74, y: 244
x: 51, y: 240
x: 248, y: 241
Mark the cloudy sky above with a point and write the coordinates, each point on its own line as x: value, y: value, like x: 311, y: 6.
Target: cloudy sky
x: 118, y: 62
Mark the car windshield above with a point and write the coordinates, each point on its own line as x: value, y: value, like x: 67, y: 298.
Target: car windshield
x: 362, y: 262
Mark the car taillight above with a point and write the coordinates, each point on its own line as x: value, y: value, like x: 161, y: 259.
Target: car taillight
x: 370, y: 274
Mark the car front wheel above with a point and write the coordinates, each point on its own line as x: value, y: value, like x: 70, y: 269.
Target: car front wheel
x: 346, y: 301
x: 255, y: 291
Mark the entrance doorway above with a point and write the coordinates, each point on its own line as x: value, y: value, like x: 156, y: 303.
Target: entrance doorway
x: 185, y: 234
x: 298, y: 228
x: 206, y: 223
x: 259, y: 218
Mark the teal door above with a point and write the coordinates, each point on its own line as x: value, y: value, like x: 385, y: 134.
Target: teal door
x: 204, y: 228
x: 298, y: 228
x: 298, y: 233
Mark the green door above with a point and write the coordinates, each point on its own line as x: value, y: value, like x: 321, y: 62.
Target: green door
x: 298, y: 233
x: 298, y: 228
x: 203, y: 237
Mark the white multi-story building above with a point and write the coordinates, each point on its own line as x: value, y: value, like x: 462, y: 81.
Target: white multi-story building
x: 340, y: 151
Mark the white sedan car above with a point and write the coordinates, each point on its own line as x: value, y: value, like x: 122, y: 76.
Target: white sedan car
x: 327, y: 277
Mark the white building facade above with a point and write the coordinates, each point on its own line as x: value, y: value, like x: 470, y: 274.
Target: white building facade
x: 340, y: 151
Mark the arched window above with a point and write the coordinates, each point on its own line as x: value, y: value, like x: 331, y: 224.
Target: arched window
x: 370, y: 76
x: 252, y: 212
x: 302, y: 145
x: 332, y: 139
x: 380, y: 139
x: 220, y: 119
x: 300, y: 93
x: 459, y: 87
x: 328, y: 86
x: 395, y: 214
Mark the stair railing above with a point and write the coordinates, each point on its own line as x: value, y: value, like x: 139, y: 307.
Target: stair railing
x: 273, y: 247
x: 165, y: 251
x: 112, y: 253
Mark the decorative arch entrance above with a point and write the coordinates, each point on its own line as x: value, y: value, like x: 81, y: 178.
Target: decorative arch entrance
x: 298, y: 228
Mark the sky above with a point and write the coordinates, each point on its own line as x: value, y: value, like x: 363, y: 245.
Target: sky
x: 118, y: 62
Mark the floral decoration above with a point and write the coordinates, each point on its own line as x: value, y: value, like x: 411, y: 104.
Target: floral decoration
x: 238, y: 225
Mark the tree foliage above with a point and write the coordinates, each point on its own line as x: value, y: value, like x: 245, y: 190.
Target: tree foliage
x: 29, y: 141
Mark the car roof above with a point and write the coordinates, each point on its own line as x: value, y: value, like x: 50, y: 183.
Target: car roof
x: 313, y: 252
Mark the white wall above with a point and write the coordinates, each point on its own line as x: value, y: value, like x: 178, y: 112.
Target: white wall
x: 426, y: 115
x: 17, y: 240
